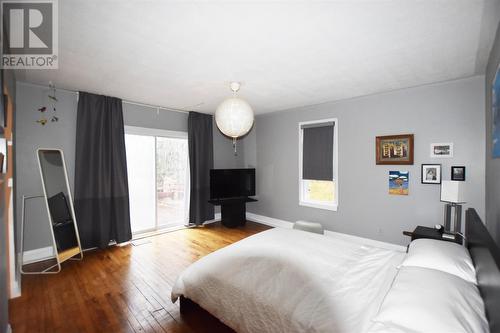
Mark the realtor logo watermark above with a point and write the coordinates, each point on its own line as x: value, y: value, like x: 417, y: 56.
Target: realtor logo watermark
x: 29, y: 34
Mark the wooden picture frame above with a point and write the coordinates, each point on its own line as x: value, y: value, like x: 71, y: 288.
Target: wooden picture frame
x: 431, y: 174
x: 394, y: 149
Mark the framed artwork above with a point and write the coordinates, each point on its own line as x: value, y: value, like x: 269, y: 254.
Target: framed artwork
x: 398, y: 182
x: 458, y: 173
x: 394, y: 149
x: 441, y: 150
x: 495, y: 110
x: 431, y: 174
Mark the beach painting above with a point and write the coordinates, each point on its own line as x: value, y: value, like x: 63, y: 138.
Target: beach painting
x: 398, y: 182
x: 495, y: 109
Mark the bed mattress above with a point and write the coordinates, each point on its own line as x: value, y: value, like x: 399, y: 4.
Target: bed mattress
x: 284, y: 280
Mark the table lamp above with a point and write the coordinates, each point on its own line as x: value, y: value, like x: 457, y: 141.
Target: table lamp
x: 453, y: 193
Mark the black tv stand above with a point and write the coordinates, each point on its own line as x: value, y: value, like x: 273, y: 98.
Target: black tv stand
x: 233, y: 210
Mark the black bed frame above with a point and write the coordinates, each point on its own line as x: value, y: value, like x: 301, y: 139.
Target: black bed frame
x: 485, y: 255
x: 199, y: 319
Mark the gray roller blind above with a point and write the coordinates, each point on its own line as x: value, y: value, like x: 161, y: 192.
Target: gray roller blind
x: 317, y: 151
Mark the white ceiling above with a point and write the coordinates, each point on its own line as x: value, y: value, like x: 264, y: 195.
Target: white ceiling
x: 286, y: 53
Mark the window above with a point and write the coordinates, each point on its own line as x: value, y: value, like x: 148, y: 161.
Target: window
x: 158, y: 178
x: 318, y: 164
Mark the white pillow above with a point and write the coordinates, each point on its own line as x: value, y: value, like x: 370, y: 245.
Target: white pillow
x: 427, y: 300
x: 448, y: 257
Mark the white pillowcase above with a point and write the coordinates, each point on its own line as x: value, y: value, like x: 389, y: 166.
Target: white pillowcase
x: 448, y: 257
x: 427, y: 300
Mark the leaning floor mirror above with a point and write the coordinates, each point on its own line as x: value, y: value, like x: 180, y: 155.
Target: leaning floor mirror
x: 61, y: 214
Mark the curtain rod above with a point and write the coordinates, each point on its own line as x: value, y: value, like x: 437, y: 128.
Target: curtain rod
x: 142, y: 104
x: 123, y: 101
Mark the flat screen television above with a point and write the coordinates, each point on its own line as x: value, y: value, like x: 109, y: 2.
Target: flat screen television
x: 232, y: 183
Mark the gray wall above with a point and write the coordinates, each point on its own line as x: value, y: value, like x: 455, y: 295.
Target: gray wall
x: 148, y: 117
x: 447, y: 112
x: 492, y: 165
x: 435, y: 113
x: 224, y: 157
x: 143, y: 116
x: 30, y: 136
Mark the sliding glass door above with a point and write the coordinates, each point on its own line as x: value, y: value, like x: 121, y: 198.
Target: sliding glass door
x: 158, y: 176
x: 141, y: 181
x: 172, y: 181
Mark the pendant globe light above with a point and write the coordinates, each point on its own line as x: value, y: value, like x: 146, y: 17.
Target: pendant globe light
x: 234, y: 116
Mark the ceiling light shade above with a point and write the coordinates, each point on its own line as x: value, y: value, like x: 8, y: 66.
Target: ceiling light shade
x: 234, y: 116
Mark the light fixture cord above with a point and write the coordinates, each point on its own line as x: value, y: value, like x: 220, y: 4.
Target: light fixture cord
x: 234, y: 146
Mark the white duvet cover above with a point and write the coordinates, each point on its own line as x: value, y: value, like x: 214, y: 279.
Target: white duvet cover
x: 284, y: 280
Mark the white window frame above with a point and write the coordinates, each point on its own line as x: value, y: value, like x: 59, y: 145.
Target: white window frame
x: 156, y: 132
x: 302, y: 202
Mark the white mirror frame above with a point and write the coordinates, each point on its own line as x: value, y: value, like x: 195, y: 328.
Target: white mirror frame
x: 60, y: 260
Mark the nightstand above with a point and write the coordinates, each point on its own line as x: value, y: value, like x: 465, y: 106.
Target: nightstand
x: 430, y: 233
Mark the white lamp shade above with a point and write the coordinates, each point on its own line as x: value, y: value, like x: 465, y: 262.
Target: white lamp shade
x: 452, y: 191
x: 234, y: 117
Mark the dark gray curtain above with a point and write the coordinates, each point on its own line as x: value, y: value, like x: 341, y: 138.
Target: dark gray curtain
x: 317, y: 152
x: 101, y: 185
x: 201, y: 160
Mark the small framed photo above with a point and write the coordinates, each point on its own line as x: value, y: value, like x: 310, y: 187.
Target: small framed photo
x: 431, y: 173
x: 441, y: 150
x: 458, y: 173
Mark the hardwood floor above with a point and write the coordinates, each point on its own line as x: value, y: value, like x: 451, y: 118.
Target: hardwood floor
x: 122, y: 289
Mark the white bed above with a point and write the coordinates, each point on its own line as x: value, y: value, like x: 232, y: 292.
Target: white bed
x: 284, y: 280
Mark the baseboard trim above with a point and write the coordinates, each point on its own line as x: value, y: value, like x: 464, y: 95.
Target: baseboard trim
x: 45, y: 253
x: 366, y: 241
x: 15, y: 289
x: 217, y: 218
x: 277, y: 223
x: 40, y: 254
x: 272, y: 222
x: 14, y: 278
